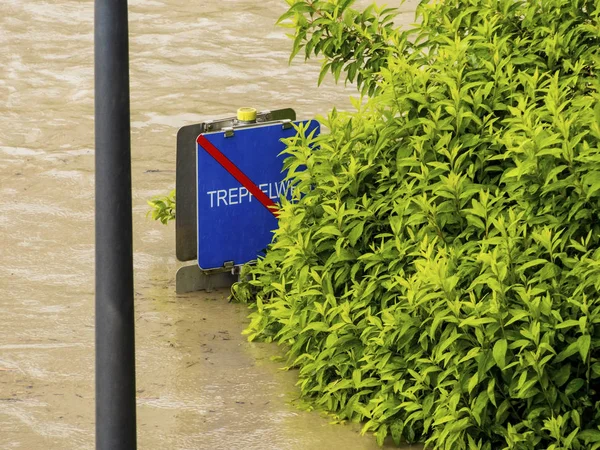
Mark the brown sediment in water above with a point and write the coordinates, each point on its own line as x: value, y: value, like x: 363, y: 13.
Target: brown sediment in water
x: 200, y: 384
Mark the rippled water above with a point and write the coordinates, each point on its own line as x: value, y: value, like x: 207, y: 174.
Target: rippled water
x: 200, y: 385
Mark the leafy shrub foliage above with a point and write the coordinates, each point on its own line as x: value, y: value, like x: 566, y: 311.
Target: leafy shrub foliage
x: 439, y: 278
x: 163, y: 207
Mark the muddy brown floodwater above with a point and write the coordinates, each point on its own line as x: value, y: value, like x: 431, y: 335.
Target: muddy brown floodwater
x: 200, y: 384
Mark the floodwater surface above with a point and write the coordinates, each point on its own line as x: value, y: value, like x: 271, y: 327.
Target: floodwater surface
x: 200, y: 385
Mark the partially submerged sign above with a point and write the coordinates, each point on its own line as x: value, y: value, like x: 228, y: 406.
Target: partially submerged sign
x: 186, y: 228
x: 240, y: 179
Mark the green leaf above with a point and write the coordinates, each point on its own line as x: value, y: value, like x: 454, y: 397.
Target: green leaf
x: 356, y: 233
x: 473, y: 382
x: 476, y: 322
x: 316, y: 326
x: 329, y: 229
x: 589, y: 436
x: 583, y: 344
x: 570, y: 350
x: 574, y: 385
x: 324, y: 70
x: 499, y: 353
x: 567, y: 324
x: 562, y: 376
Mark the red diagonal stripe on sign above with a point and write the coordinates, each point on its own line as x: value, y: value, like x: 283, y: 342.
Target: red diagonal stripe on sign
x: 238, y: 175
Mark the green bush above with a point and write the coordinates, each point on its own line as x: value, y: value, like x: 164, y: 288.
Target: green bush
x: 438, y: 275
x: 163, y: 207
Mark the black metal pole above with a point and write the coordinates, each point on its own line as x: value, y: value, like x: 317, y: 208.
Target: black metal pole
x: 115, y: 346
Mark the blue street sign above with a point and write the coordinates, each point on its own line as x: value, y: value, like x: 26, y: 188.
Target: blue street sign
x: 239, y: 178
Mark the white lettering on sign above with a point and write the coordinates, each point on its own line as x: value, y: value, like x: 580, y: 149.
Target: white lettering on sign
x: 240, y: 195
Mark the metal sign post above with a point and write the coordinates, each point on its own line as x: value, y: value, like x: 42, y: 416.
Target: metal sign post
x: 115, y: 348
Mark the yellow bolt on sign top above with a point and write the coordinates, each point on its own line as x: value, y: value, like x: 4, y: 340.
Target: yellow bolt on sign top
x: 246, y: 114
